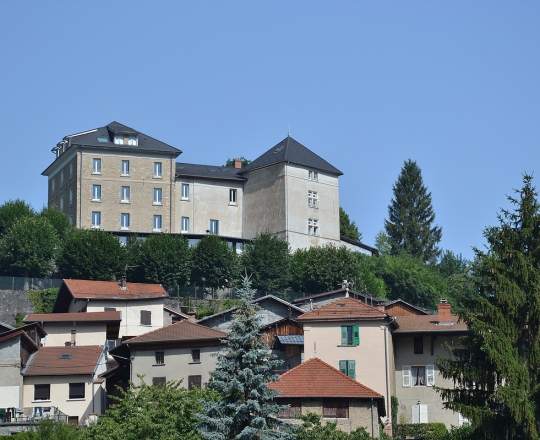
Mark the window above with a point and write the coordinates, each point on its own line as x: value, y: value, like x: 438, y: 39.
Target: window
x: 61, y: 203
x: 109, y: 309
x: 76, y: 390
x: 71, y: 220
x: 132, y: 139
x: 158, y: 223
x: 42, y: 392
x: 417, y: 376
x: 160, y: 357
x: 194, y: 382
x: 52, y: 185
x: 96, y: 193
x: 185, y: 191
x: 313, y: 199
x: 350, y: 335
x: 124, y: 168
x: 158, y: 169
x: 96, y: 219
x: 96, y: 166
x: 70, y: 197
x: 419, y: 413
x: 124, y: 221
x: 73, y: 337
x: 214, y: 227
x: 125, y: 194
x: 61, y: 177
x: 348, y: 368
x: 336, y: 408
x: 71, y: 169
x: 119, y: 139
x: 146, y: 317
x: 313, y: 227
x: 158, y: 196
x: 233, y: 200
x: 313, y: 175
x: 159, y: 381
x: 292, y: 412
x: 124, y: 139
x: 418, y: 344
x: 184, y: 226
x: 196, y: 355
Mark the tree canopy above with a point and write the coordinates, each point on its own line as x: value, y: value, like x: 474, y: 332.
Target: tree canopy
x: 348, y: 228
x: 215, y: 264
x: 13, y: 210
x: 230, y: 162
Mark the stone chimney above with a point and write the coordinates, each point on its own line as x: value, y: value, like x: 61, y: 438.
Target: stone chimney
x: 123, y: 282
x: 444, y: 312
x: 192, y: 317
x: 237, y: 163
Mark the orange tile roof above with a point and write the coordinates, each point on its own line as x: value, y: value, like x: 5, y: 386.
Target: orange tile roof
x: 82, y: 289
x: 179, y: 331
x: 343, y: 309
x: 315, y: 378
x: 428, y: 323
x: 46, y: 361
x: 70, y: 317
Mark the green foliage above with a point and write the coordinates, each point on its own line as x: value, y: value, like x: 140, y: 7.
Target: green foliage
x: 452, y: 264
x: 229, y: 303
x: 368, y: 280
x: 91, y: 255
x: 230, y: 162
x: 19, y: 319
x: 347, y: 228
x: 43, y: 300
x: 28, y: 248
x: 394, y: 404
x: 215, y: 264
x: 51, y: 430
x: 58, y: 220
x: 495, y: 368
x: 312, y: 429
x: 465, y: 432
x: 12, y: 211
x: 382, y: 243
x: 421, y: 431
x: 410, y: 217
x: 206, y: 309
x: 267, y: 258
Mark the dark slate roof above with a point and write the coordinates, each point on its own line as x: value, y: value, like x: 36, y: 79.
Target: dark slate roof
x: 289, y: 150
x: 207, y: 171
x: 291, y: 339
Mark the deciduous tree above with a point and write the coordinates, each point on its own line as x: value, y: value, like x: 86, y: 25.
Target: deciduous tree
x: 215, y: 264
x: 13, y: 210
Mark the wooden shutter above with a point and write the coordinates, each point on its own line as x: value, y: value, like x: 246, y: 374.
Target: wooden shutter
x: 351, y: 369
x: 159, y: 381
x: 416, y: 413
x: 146, y: 317
x: 430, y: 375
x: 343, y: 367
x: 423, y: 413
x: 356, y: 334
x: 406, y: 374
x: 343, y: 335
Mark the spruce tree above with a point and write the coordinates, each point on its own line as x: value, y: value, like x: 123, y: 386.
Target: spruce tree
x: 496, y: 367
x: 410, y: 217
x: 246, y: 410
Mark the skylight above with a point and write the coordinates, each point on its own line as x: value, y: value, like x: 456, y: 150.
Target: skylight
x: 102, y: 139
x: 65, y: 356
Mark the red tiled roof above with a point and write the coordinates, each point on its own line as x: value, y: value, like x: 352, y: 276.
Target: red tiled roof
x: 315, y: 378
x: 70, y: 317
x: 82, y: 289
x: 46, y: 361
x: 343, y: 309
x: 428, y: 323
x: 179, y: 331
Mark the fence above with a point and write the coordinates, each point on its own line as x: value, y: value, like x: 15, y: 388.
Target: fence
x: 22, y: 283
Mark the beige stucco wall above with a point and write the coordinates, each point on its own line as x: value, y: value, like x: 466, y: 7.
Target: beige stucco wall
x: 66, y: 162
x: 58, y: 333
x: 408, y: 396
x: 10, y: 373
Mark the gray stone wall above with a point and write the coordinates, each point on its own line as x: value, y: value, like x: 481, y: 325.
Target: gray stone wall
x: 12, y: 302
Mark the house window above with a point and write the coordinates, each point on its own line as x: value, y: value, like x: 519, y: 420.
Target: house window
x: 73, y: 338
x: 96, y: 193
x: 336, y: 408
x: 125, y: 194
x: 160, y: 357
x: 158, y: 169
x: 71, y: 220
x: 76, y: 390
x: 159, y: 381
x: 96, y: 166
x: 184, y: 226
x: 350, y: 335
x: 119, y: 139
x: 313, y: 227
x: 70, y: 197
x: 132, y: 139
x: 158, y: 196
x: 313, y: 199
x: 348, y: 368
x: 185, y: 191
x: 420, y: 413
x: 196, y: 355
x: 214, y: 227
x: 313, y: 175
x: 124, y: 220
x: 418, y: 345
x: 158, y: 223
x: 61, y: 177
x: 61, y: 203
x: 194, y: 382
x: 233, y: 194
x: 96, y: 219
x: 146, y: 317
x: 294, y: 410
x: 53, y: 186
x: 124, y: 168
x: 417, y: 376
x: 42, y: 392
x: 71, y: 169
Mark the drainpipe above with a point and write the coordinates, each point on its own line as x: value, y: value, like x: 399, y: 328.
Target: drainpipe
x: 386, y: 370
x: 372, y: 423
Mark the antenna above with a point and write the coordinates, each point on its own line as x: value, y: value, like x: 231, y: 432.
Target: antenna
x: 289, y: 132
x: 110, y: 109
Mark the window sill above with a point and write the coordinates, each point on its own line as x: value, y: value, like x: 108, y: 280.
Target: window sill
x: 95, y: 226
x: 41, y: 401
x: 184, y: 232
x: 158, y: 365
x: 96, y: 200
x: 125, y: 229
x: 78, y: 399
x: 233, y: 204
x: 157, y: 204
x: 156, y: 230
x: 124, y: 175
x: 349, y: 345
x: 94, y: 173
x: 194, y: 363
x: 185, y: 199
x: 157, y: 177
x: 125, y: 201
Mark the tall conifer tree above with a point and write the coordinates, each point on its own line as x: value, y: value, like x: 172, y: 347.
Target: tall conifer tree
x: 246, y: 411
x: 410, y: 217
x: 496, y: 367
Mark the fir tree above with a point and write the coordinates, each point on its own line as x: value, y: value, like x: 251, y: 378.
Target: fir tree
x: 246, y: 410
x: 410, y: 217
x: 496, y: 367
x: 348, y: 228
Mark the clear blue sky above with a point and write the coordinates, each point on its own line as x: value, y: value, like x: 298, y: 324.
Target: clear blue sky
x: 454, y: 86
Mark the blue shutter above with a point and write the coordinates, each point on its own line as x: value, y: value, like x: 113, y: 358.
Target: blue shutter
x: 343, y: 367
x: 343, y: 335
x: 356, y: 334
x: 351, y: 370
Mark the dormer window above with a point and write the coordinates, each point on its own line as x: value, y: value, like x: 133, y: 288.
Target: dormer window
x: 125, y: 139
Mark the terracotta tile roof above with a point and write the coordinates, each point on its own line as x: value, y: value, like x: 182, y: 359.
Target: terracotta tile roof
x: 343, y: 309
x: 315, y: 378
x: 428, y: 323
x: 179, y: 331
x: 70, y: 317
x: 16, y: 332
x: 82, y: 289
x: 46, y: 361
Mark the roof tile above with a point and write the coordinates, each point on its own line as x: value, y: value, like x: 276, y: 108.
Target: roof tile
x: 179, y: 331
x: 46, y: 361
x: 70, y: 317
x: 346, y: 308
x: 82, y: 289
x: 428, y: 323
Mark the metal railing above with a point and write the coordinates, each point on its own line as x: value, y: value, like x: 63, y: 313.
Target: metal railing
x: 31, y: 414
x: 21, y: 283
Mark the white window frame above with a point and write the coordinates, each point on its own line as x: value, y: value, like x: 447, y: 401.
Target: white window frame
x: 70, y: 169
x: 408, y: 376
x: 184, y: 224
x: 96, y: 193
x: 70, y: 196
x: 61, y: 203
x: 158, y: 196
x: 214, y: 227
x: 158, y: 170
x: 313, y: 227
x: 132, y: 140
x: 96, y: 219
x: 53, y: 186
x: 124, y: 168
x: 119, y: 139
x: 313, y: 175
x: 185, y: 191
x: 96, y: 165
x: 125, y: 221
x: 157, y: 224
x: 125, y: 194
x: 313, y: 199
x: 233, y: 196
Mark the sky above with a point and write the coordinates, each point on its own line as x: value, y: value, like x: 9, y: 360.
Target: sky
x: 367, y: 85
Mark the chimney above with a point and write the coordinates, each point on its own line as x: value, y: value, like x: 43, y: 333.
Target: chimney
x: 123, y: 283
x: 238, y: 162
x: 444, y: 312
x: 192, y: 317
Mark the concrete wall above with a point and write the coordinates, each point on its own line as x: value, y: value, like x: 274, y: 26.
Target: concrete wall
x: 12, y: 302
x: 58, y: 333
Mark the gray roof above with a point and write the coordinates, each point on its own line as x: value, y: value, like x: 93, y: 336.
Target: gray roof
x: 291, y: 151
x: 207, y: 171
x: 6, y: 326
x: 291, y: 339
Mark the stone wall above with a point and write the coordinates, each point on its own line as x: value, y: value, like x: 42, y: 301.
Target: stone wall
x: 12, y: 302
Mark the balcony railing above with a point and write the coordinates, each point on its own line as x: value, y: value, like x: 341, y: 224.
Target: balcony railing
x: 31, y: 414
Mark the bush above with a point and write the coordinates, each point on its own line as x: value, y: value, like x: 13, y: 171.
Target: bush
x: 421, y: 431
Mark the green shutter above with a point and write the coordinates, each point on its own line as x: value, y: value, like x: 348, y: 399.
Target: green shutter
x: 356, y: 333
x: 343, y: 335
x: 351, y: 369
x: 343, y: 367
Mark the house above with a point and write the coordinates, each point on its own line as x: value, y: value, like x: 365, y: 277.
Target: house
x: 286, y: 339
x: 320, y: 299
x: 399, y: 307
x: 418, y: 342
x: 141, y: 304
x: 172, y: 315
x: 317, y: 387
